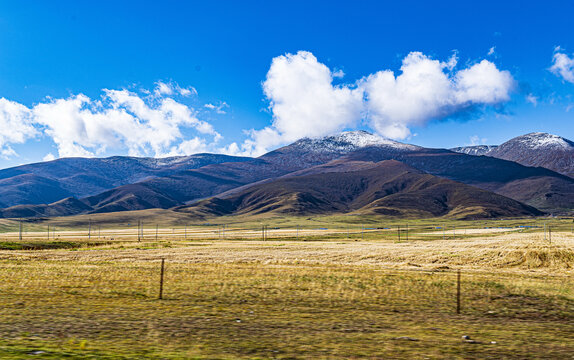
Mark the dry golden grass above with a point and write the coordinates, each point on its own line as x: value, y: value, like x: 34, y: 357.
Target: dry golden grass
x: 322, y: 297
x: 514, y: 251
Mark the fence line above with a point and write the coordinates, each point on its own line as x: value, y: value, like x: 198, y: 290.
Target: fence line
x: 394, y: 232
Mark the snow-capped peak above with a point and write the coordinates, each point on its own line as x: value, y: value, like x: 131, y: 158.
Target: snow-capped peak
x: 349, y: 141
x: 538, y: 140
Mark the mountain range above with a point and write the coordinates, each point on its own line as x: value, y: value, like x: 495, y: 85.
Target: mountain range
x: 535, y: 149
x: 352, y: 172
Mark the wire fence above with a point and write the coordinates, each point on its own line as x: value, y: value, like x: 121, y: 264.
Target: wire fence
x: 154, y: 232
x: 449, y: 291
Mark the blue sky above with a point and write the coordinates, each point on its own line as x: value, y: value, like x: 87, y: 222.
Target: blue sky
x: 224, y: 51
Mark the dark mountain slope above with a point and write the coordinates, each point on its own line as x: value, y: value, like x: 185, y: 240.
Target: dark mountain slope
x: 387, y: 187
x: 33, y: 188
x: 80, y: 177
x: 190, y: 185
x: 538, y: 187
x: 60, y: 208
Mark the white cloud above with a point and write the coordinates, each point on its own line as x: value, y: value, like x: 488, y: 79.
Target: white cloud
x: 339, y: 74
x: 191, y: 146
x: 562, y: 65
x: 120, y: 120
x: 476, y: 140
x: 172, y: 88
x: 49, y: 157
x: 80, y: 126
x: 424, y: 91
x: 491, y: 51
x: 304, y: 101
x: 219, y: 109
x: 532, y: 99
x: 17, y: 126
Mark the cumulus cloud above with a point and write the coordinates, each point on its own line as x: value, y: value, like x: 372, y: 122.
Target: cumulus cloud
x: 306, y: 99
x: 305, y: 102
x: 17, y: 126
x: 83, y: 127
x: 563, y: 65
x: 425, y: 91
x: 120, y: 120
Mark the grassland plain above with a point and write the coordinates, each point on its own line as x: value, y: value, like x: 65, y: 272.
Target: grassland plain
x: 325, y: 294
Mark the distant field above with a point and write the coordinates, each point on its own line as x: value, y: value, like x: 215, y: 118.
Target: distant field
x: 335, y: 290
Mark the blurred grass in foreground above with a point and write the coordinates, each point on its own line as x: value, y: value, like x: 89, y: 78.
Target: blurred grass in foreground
x: 109, y: 310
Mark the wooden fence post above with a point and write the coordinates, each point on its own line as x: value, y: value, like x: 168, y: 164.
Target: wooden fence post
x: 161, y: 279
x: 458, y: 292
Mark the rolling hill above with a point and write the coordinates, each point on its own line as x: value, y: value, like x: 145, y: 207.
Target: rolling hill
x: 386, y: 188
x: 51, y: 181
x: 183, y: 185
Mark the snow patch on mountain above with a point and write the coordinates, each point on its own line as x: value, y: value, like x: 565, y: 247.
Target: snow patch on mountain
x: 476, y: 150
x: 349, y: 141
x: 540, y: 140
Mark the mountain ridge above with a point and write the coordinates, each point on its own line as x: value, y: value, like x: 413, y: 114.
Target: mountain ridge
x: 387, y: 188
x: 358, y: 150
x: 533, y: 149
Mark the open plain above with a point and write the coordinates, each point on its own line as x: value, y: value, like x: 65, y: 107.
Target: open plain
x: 324, y: 289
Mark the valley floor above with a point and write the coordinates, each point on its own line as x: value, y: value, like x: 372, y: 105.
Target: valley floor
x: 330, y: 296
